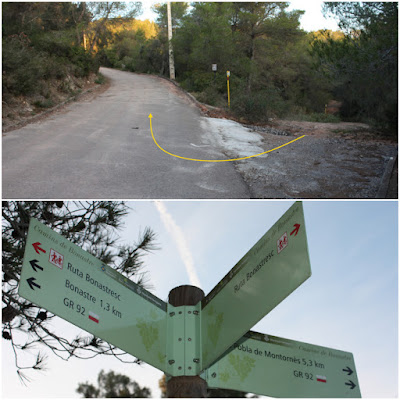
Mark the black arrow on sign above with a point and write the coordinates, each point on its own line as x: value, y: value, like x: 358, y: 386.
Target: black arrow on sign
x: 34, y: 265
x: 31, y: 282
x: 351, y: 384
x: 348, y: 370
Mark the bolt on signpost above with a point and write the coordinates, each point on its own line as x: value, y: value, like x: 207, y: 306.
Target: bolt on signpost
x: 196, y: 341
x: 228, y: 74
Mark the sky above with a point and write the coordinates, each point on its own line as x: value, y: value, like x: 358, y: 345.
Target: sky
x: 349, y: 303
x: 311, y: 20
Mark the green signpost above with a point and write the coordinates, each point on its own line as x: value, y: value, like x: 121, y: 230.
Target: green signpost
x: 275, y: 266
x: 273, y: 366
x: 190, y: 337
x: 66, y: 280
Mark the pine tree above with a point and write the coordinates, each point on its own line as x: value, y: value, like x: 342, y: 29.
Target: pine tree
x: 364, y: 64
x: 113, y: 385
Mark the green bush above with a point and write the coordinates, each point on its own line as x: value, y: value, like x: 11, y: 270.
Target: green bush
x: 314, y: 117
x: 109, y: 57
x: 100, y: 79
x: 212, y: 97
x: 202, y: 81
x: 51, y: 55
x: 47, y: 103
x: 60, y: 46
x: 56, y: 43
x: 54, y: 67
x: 22, y: 67
x: 84, y: 63
x: 128, y: 63
x: 251, y: 107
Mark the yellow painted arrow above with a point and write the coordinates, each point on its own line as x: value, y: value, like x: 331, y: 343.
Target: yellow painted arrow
x: 231, y: 159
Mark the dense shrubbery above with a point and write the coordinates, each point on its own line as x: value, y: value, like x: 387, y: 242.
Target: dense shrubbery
x: 277, y: 69
x: 134, y: 49
x: 27, y: 64
x: 40, y: 45
x: 252, y: 107
x: 22, y: 66
x: 363, y: 64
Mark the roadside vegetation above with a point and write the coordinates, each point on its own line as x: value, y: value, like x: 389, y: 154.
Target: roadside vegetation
x: 48, y: 53
x: 277, y: 69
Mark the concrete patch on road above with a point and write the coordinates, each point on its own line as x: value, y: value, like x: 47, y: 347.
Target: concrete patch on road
x: 232, y: 138
x: 236, y: 141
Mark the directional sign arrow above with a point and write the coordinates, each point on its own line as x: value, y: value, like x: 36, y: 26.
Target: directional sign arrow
x: 32, y: 283
x: 37, y: 247
x: 295, y: 231
x: 351, y: 384
x: 34, y: 265
x: 348, y: 370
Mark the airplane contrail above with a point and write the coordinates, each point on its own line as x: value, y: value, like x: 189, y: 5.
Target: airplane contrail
x: 180, y: 241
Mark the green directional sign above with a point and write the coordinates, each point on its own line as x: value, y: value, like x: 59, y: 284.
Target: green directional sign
x: 272, y: 269
x: 277, y: 367
x: 69, y: 282
x: 213, y: 336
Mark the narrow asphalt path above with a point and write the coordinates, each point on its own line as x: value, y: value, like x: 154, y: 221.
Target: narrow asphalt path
x: 103, y: 149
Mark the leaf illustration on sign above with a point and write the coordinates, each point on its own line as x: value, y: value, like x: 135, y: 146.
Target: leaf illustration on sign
x: 214, y: 328
x: 148, y: 332
x: 224, y: 376
x: 161, y: 357
x: 242, y: 365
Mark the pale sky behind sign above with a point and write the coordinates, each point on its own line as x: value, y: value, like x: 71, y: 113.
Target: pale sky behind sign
x: 349, y: 303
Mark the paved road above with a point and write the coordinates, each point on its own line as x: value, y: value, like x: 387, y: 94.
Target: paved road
x: 102, y: 149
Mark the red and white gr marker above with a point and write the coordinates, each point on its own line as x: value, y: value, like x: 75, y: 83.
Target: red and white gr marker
x: 94, y: 317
